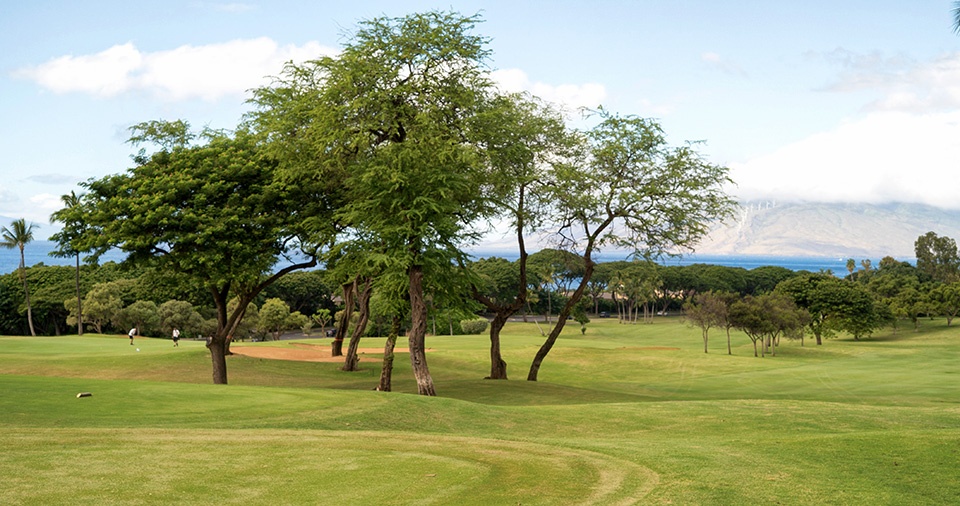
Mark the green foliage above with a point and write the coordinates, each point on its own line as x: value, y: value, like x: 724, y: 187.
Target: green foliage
x: 178, y: 314
x: 142, y: 314
x: 475, y: 326
x: 834, y: 305
x: 274, y: 317
x: 101, y: 306
x: 249, y: 322
x: 304, y: 291
x: 765, y: 318
x: 937, y: 257
x: 300, y: 321
x: 498, y: 278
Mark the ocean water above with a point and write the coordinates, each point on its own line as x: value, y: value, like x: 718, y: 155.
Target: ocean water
x: 813, y: 264
x: 39, y: 252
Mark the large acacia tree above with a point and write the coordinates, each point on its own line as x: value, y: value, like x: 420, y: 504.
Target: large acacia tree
x: 389, y: 123
x: 630, y: 190
x: 213, y: 211
x: 524, y: 137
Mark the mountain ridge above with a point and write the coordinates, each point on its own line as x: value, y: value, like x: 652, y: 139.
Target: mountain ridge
x: 843, y: 230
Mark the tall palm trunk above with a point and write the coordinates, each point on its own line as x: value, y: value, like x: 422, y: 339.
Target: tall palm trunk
x: 26, y: 292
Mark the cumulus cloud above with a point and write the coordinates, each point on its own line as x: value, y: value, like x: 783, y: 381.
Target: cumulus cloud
x: 568, y: 96
x: 888, y: 156
x: 903, y: 84
x: 208, y: 72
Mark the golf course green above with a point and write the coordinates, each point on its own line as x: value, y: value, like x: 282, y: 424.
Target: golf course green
x: 624, y: 414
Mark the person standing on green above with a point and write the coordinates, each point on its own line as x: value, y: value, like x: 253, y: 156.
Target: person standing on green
x: 176, y: 337
x: 132, y: 333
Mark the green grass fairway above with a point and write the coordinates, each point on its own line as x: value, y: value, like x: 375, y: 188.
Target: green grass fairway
x: 627, y: 414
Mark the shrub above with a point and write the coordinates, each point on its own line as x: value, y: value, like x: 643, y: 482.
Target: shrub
x: 476, y: 326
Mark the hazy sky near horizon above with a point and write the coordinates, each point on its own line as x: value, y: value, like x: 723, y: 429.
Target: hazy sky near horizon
x: 853, y: 101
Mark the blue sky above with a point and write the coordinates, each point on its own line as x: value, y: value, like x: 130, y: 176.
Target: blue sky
x: 850, y: 101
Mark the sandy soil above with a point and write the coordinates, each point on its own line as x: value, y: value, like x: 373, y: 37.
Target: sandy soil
x: 308, y: 352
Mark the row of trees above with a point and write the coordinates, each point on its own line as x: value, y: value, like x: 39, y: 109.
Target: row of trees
x: 111, y: 295
x: 385, y: 162
x: 823, y: 305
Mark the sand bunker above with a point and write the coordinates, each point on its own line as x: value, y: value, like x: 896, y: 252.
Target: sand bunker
x: 308, y: 352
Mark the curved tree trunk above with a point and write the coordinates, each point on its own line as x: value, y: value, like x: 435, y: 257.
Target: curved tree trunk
x: 386, y: 372
x: 363, y: 300
x: 561, y: 319
x: 26, y: 292
x: 418, y: 331
x: 336, y: 348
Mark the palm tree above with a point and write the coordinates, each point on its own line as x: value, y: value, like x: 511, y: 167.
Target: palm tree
x: 18, y: 235
x: 956, y: 17
x: 71, y: 230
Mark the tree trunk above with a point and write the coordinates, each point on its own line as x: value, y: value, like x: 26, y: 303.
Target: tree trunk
x: 418, y: 331
x: 79, y: 302
x: 336, y: 348
x: 704, y: 340
x: 351, y: 362
x: 386, y: 372
x: 218, y: 346
x: 498, y: 368
x: 729, y: 350
x: 26, y: 292
x: 561, y: 319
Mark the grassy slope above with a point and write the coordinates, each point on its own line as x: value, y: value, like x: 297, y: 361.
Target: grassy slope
x: 624, y: 414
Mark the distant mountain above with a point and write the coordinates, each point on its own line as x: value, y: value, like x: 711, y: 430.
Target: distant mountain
x: 829, y: 230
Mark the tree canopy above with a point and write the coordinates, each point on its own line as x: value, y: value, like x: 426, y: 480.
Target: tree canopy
x: 213, y: 212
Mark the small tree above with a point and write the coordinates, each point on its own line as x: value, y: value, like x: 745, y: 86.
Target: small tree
x: 102, y: 303
x: 322, y: 317
x: 274, y: 317
x: 707, y: 310
x: 300, y: 321
x: 764, y: 318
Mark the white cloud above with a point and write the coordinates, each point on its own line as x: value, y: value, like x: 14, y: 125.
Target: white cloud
x: 46, y: 202
x: 903, y: 83
x: 883, y: 157
x: 208, y: 72
x: 568, y: 96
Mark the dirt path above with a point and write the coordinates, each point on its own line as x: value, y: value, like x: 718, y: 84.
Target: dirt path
x: 307, y: 352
